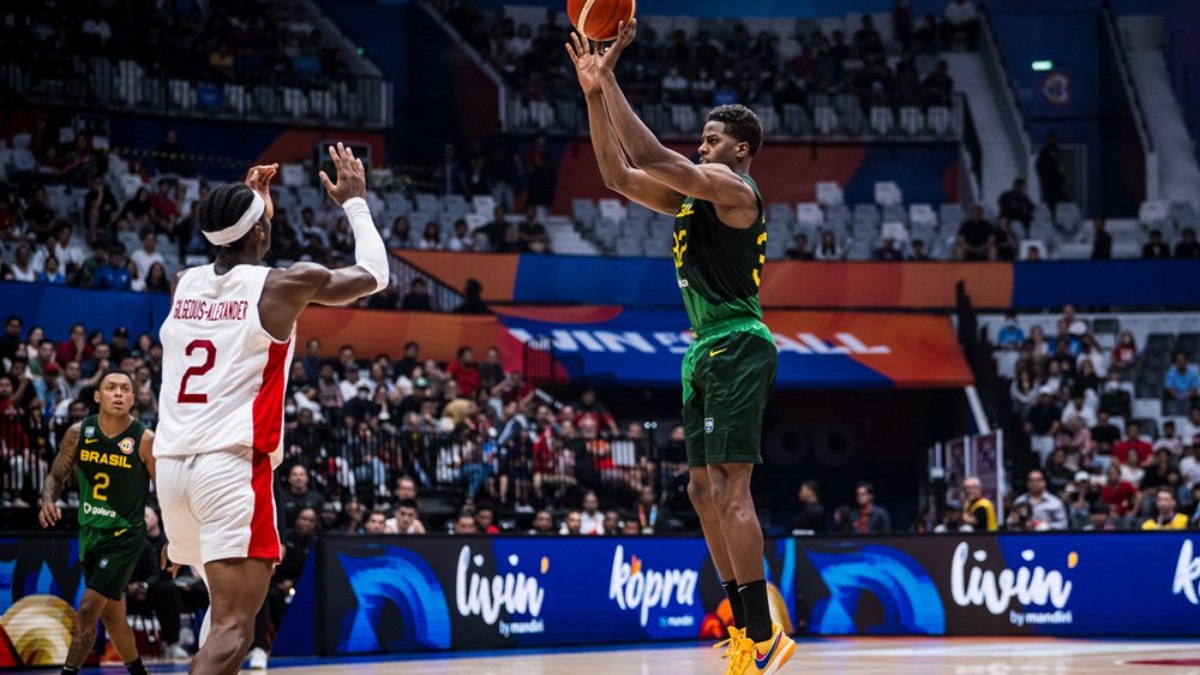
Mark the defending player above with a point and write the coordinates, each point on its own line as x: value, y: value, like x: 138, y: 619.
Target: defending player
x: 112, y: 454
x: 728, y: 372
x: 227, y: 344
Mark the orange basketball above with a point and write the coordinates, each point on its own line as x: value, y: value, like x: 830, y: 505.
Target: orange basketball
x: 599, y: 19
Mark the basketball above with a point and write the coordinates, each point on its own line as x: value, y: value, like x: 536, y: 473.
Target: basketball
x: 600, y: 19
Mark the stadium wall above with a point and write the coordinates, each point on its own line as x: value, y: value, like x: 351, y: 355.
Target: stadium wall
x: 391, y: 594
x: 1182, y: 51
x: 644, y: 282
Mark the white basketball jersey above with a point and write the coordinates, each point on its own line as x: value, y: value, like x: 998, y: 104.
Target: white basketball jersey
x: 224, y: 377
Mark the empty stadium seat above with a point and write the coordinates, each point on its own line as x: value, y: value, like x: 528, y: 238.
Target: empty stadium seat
x: 613, y: 209
x: 887, y: 193
x: 829, y: 193
x: 808, y: 213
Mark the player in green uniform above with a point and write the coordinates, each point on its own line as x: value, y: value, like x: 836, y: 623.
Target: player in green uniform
x: 114, y: 463
x: 719, y: 247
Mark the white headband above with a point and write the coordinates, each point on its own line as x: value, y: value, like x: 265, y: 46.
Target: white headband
x: 242, y: 226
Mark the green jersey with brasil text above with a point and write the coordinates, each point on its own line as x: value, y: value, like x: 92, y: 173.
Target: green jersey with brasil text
x: 719, y: 268
x: 113, y: 481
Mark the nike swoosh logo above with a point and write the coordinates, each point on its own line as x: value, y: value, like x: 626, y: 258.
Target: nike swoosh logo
x: 120, y: 532
x: 86, y: 441
x: 718, y: 351
x: 763, y: 660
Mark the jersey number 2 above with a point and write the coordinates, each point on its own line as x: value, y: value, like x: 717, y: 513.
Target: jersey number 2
x: 210, y: 358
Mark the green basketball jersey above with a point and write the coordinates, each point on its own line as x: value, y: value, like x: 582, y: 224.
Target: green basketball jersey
x: 719, y: 268
x: 113, y: 481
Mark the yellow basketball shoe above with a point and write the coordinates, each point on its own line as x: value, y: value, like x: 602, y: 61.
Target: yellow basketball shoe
x: 762, y: 658
x: 737, y: 636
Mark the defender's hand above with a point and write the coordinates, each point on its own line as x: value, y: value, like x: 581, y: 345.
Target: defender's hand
x: 259, y: 180
x: 626, y: 34
x: 586, y: 57
x: 351, y: 176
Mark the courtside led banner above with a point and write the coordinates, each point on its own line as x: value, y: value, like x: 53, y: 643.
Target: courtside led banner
x: 380, y: 594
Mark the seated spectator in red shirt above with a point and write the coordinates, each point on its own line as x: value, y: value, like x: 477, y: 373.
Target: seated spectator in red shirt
x: 1118, y: 494
x: 163, y: 210
x: 465, y: 371
x: 1134, y: 442
x: 590, y: 407
x: 76, y: 348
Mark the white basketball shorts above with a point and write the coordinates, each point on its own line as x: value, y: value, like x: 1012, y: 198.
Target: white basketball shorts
x: 218, y: 505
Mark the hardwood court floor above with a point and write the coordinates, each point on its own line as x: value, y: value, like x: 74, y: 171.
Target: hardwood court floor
x: 876, y: 656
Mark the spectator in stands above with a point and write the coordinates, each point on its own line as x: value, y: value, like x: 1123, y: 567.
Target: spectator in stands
x: 297, y: 545
x: 1133, y: 442
x: 938, y: 87
x: 1016, y: 206
x: 918, y: 251
x: 888, y: 252
x: 1190, y: 428
x: 101, y: 208
x: 799, y: 249
x: 1169, y: 440
x: 978, y: 511
x: 591, y: 519
x: 1187, y: 247
x: 22, y: 268
x: 1168, y: 518
x: 11, y: 344
x: 572, y: 523
x: 115, y: 274
x: 543, y: 524
x: 1189, y: 466
x: 1131, y: 468
x: 541, y: 177
x: 1101, y: 241
x: 829, y: 248
x: 1010, y: 337
x: 961, y: 23
x: 472, y: 299
x: 869, y: 517
x: 1124, y: 355
x: 431, y: 239
x: 465, y: 371
x: 1043, y: 421
x: 1059, y: 476
x: 407, y: 519
x: 976, y: 238
x: 144, y: 257
x: 1120, y: 495
x: 1158, y: 472
x: 376, y: 522
x: 465, y: 523
x: 462, y: 239
x: 1050, y: 173
x: 401, y: 234
x: 388, y: 298
x: 1024, y: 392
x: 298, y: 496
x: 1045, y: 510
x: 163, y: 210
x: 612, y: 523
x: 811, y: 517
x: 1156, y: 248
x: 417, y: 299
x: 448, y: 173
x: 1181, y: 386
x: 1006, y: 240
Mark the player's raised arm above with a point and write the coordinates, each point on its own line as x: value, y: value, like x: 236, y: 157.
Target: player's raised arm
x: 618, y: 175
x: 370, y: 272
x: 56, y: 478
x: 711, y: 182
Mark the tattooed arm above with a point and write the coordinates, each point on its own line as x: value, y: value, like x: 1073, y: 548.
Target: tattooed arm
x: 68, y: 454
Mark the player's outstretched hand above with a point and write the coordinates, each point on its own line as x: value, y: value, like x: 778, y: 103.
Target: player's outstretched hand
x: 626, y: 34
x: 259, y: 180
x: 49, y: 515
x: 586, y: 57
x: 351, y: 176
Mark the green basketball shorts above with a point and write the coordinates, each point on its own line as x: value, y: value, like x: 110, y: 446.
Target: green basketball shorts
x: 728, y: 374
x: 109, y: 557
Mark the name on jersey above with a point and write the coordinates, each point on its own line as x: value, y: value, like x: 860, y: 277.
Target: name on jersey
x: 97, y: 457
x: 189, y: 309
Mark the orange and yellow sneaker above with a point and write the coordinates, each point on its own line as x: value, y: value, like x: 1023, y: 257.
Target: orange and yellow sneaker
x: 737, y: 636
x: 747, y: 657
